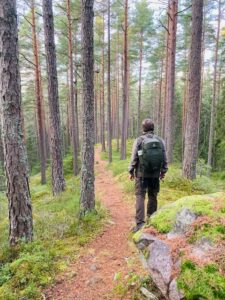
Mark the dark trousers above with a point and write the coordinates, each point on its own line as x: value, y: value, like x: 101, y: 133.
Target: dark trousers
x: 143, y: 185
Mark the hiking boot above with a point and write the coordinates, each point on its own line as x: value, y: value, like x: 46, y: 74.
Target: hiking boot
x: 138, y: 227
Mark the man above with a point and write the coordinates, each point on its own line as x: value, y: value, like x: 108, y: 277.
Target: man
x: 148, y: 165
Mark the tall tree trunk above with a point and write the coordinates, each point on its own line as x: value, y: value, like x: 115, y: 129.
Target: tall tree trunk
x: 39, y: 98
x: 193, y: 104
x: 58, y: 182
x: 125, y: 85
x: 165, y: 83
x: 172, y: 15
x: 96, y: 107
x: 184, y: 110
x: 16, y: 165
x: 214, y: 99
x: 109, y: 89
x: 103, y: 87
x: 72, y: 92
x: 76, y: 98
x: 159, y: 112
x: 118, y: 97
x: 139, y: 83
x: 87, y: 200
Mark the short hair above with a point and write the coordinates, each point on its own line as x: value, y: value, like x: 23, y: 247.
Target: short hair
x: 147, y: 125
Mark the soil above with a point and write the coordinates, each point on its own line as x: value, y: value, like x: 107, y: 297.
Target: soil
x: 110, y: 253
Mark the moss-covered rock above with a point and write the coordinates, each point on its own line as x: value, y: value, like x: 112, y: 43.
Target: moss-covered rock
x: 165, y: 218
x: 197, y: 251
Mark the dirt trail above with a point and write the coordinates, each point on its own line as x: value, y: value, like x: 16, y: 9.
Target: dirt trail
x: 109, y: 253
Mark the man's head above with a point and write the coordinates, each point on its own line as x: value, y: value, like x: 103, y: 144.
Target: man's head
x: 147, y: 125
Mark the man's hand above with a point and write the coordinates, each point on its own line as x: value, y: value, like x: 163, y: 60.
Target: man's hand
x: 162, y: 175
x: 131, y: 176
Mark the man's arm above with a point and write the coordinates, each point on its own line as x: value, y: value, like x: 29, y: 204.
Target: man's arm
x: 134, y: 157
x: 164, y: 168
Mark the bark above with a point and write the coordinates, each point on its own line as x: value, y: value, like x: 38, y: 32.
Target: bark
x: 172, y: 15
x: 76, y: 114
x: 72, y: 92
x: 193, y: 104
x: 214, y: 98
x: 109, y: 90
x: 159, y: 112
x: 87, y: 200
x: 58, y: 181
x: 118, y: 99
x: 139, y: 83
x: 125, y: 85
x: 39, y: 98
x: 184, y: 110
x: 16, y: 165
x: 103, y: 91
x: 76, y: 96
x: 165, y: 83
x: 96, y: 106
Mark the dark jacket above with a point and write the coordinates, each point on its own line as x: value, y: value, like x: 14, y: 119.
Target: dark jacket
x: 135, y: 164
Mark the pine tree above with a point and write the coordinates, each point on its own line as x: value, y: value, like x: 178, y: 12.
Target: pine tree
x: 109, y: 88
x: 87, y: 199
x: 58, y: 181
x: 170, y: 84
x: 193, y: 105
x: 72, y: 91
x: 16, y: 166
x: 125, y: 85
x: 215, y: 96
x: 39, y: 97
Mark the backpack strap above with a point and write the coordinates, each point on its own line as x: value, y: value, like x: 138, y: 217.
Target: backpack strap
x: 142, y: 137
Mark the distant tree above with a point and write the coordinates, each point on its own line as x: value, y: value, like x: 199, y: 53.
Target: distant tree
x: 215, y: 90
x: 170, y: 80
x: 16, y: 165
x: 39, y: 96
x: 125, y: 85
x: 73, y: 105
x: 193, y: 105
x: 58, y: 181
x: 109, y: 88
x: 87, y: 199
x: 102, y: 114
x: 142, y: 27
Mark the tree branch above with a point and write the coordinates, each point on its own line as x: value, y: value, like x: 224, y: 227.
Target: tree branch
x: 183, y: 10
x: 27, y: 59
x: 164, y: 26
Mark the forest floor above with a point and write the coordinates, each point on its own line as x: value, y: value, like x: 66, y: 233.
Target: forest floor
x: 111, y: 258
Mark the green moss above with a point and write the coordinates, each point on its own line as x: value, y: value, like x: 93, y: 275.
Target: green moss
x: 201, y: 282
x: 213, y: 230
x: 165, y: 218
x: 136, y: 236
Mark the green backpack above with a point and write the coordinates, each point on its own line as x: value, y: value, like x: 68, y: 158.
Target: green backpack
x: 150, y: 155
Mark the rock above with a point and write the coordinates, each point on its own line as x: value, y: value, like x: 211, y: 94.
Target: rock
x: 93, y: 267
x: 148, y: 294
x: 93, y: 281
x: 111, y: 222
x: 183, y: 219
x: 143, y: 260
x: 160, y: 265
x: 205, y: 244
x: 72, y: 274
x: 145, y: 240
x: 174, y: 293
x: 201, y: 248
